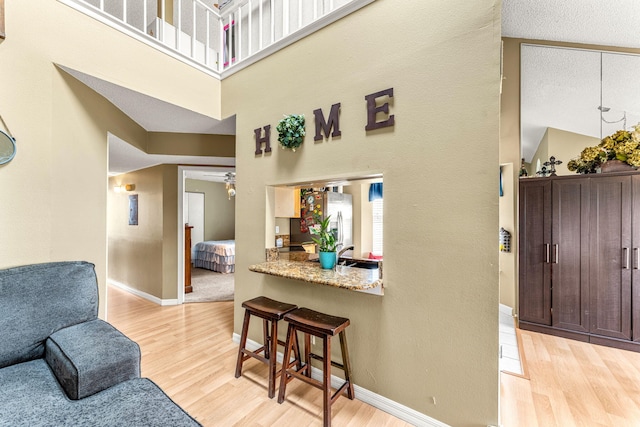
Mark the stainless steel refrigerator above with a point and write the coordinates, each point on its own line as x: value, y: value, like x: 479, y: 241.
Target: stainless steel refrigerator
x: 338, y: 205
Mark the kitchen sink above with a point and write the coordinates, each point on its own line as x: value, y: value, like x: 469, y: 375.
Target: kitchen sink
x: 360, y: 263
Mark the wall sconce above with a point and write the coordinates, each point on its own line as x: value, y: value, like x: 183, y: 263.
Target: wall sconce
x: 231, y: 190
x: 124, y: 187
x: 230, y: 181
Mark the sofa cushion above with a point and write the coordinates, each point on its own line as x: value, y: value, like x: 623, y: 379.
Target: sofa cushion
x: 89, y: 357
x: 31, y: 396
x: 37, y: 300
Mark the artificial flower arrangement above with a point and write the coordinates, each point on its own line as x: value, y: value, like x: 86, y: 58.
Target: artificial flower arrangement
x: 291, y: 131
x: 623, y: 145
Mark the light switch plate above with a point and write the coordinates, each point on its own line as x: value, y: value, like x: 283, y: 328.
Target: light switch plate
x: 277, y: 229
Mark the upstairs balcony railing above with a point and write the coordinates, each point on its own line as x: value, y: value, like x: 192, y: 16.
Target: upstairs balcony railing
x: 219, y: 39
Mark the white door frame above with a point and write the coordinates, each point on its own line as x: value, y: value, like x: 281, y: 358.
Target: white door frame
x: 180, y: 225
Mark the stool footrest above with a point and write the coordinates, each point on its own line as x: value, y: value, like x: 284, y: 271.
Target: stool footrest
x: 320, y: 358
x: 249, y: 354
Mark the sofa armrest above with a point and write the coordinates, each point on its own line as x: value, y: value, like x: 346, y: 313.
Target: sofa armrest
x: 92, y: 356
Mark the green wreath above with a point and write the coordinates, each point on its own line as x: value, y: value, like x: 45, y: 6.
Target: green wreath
x: 291, y: 131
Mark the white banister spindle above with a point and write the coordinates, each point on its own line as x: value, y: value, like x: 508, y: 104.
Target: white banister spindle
x: 207, y: 55
x: 221, y: 44
x: 330, y: 5
x: 193, y: 28
x: 230, y: 40
x: 102, y: 5
x: 299, y: 14
x: 250, y: 29
x: 285, y: 18
x: 144, y: 16
x: 260, y: 20
x: 315, y: 9
x: 273, y: 23
x: 179, y: 25
x: 124, y: 11
x: 239, y: 32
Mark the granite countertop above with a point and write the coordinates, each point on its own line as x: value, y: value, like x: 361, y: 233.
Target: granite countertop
x: 355, y: 279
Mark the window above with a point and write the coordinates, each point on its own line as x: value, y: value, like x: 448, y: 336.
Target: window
x: 377, y: 227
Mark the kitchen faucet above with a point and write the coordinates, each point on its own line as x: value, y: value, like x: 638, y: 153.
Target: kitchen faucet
x: 344, y: 249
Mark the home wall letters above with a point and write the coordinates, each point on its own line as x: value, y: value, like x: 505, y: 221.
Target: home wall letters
x: 260, y: 139
x: 332, y: 125
x: 322, y: 125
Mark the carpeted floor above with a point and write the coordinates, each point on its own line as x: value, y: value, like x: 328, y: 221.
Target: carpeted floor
x: 210, y: 286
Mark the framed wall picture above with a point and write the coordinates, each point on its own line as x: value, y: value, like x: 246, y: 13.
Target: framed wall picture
x: 133, y: 209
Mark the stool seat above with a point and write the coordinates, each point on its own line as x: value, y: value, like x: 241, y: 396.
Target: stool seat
x: 324, y: 326
x: 270, y: 311
x: 268, y: 308
x: 317, y: 323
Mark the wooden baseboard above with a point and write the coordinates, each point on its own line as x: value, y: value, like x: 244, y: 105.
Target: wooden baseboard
x: 142, y: 294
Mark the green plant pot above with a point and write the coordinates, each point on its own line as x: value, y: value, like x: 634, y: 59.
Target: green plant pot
x: 327, y: 259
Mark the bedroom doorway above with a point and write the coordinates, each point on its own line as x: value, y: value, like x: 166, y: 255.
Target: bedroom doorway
x: 208, y: 208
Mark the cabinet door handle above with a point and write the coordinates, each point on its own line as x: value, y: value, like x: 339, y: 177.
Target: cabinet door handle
x: 556, y: 249
x: 625, y: 258
x: 547, y: 253
x: 636, y: 258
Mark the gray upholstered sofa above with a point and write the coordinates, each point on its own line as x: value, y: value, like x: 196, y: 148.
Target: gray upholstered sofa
x: 62, y: 366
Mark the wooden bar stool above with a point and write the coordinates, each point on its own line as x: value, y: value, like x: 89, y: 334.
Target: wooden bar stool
x: 270, y: 311
x: 322, y: 326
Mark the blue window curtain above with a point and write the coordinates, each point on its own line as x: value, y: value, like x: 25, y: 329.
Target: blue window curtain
x: 375, y: 191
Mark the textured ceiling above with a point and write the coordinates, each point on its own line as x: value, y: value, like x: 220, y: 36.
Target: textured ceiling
x: 603, y: 22
x: 563, y: 88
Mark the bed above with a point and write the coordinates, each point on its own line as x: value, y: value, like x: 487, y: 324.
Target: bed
x: 216, y: 255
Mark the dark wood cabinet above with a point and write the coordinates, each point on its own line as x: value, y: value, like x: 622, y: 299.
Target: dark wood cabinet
x: 569, y: 254
x: 610, y: 256
x: 535, y: 240
x: 579, y: 257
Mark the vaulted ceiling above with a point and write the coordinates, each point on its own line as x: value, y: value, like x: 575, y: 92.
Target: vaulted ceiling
x: 600, y: 22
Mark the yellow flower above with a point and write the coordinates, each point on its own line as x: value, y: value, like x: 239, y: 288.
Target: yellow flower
x: 623, y: 145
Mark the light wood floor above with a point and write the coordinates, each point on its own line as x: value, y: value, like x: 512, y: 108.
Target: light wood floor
x: 187, y: 350
x: 572, y: 384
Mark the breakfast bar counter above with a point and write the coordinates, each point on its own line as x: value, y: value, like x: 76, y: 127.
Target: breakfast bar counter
x: 352, y: 278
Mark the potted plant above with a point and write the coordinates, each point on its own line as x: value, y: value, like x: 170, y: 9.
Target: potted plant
x: 291, y: 131
x: 326, y: 241
x: 621, y: 149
